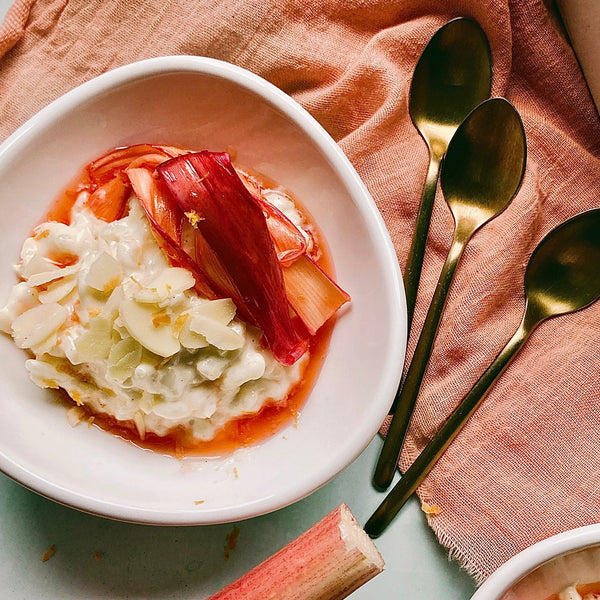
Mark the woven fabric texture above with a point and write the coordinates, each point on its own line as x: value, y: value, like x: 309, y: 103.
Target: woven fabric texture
x: 526, y: 465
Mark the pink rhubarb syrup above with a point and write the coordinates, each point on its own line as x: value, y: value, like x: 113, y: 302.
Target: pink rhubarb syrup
x: 239, y: 432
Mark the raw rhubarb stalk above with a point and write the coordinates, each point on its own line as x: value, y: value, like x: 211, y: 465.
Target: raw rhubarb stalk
x: 328, y: 562
x: 231, y: 220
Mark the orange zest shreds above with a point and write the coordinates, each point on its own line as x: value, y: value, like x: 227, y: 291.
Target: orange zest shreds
x: 50, y: 383
x: 49, y: 553
x: 179, y: 323
x: 313, y: 295
x: 161, y: 318
x: 430, y: 509
x: 76, y: 396
x: 193, y: 217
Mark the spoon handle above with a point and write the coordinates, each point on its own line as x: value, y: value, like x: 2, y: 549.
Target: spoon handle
x: 420, y: 468
x: 414, y: 263
x: 407, y: 395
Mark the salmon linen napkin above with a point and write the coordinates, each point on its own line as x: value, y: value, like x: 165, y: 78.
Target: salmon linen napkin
x: 527, y: 464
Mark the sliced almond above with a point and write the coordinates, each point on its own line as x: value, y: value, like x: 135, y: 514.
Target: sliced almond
x: 96, y: 341
x: 170, y: 283
x: 38, y: 323
x: 52, y: 275
x: 217, y: 334
x: 35, y: 264
x: 140, y: 321
x: 123, y: 358
x: 57, y: 290
x: 105, y: 273
x: 190, y: 339
x: 221, y: 310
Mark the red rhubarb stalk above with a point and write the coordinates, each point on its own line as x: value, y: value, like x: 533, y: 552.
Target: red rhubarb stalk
x: 231, y: 220
x: 328, y: 562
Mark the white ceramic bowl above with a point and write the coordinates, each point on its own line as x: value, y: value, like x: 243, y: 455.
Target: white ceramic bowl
x: 548, y: 567
x: 203, y: 104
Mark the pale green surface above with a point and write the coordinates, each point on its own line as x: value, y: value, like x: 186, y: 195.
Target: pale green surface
x: 146, y: 562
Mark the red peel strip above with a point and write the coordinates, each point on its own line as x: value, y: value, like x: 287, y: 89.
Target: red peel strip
x: 232, y: 222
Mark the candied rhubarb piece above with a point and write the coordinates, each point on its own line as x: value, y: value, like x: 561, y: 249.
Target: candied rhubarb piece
x: 289, y: 241
x: 231, y: 221
x: 108, y: 201
x: 313, y: 295
x: 116, y: 161
x: 108, y: 185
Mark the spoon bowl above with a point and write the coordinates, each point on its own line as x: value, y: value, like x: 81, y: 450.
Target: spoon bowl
x: 452, y: 76
x: 481, y: 174
x: 562, y: 276
x: 493, y: 171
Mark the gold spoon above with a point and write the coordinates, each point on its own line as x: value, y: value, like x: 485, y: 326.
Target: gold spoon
x: 451, y: 78
x: 481, y: 173
x: 562, y: 277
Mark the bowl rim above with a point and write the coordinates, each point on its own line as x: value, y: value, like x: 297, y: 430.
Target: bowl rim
x: 535, y: 556
x: 384, y: 249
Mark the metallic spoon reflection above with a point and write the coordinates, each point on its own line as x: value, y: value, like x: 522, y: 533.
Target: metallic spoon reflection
x: 452, y: 76
x: 481, y: 173
x: 562, y: 277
